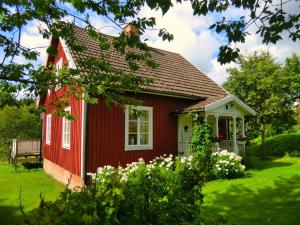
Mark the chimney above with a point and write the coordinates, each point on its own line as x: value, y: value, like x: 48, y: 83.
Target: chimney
x: 131, y: 28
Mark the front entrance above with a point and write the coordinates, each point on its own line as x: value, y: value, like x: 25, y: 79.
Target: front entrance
x: 185, y: 127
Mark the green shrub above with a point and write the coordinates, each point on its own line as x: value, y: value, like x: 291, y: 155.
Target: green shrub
x: 227, y: 165
x: 17, y: 122
x: 278, y: 146
x: 165, y: 191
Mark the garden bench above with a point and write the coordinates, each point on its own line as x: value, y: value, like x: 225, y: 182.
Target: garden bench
x: 24, y: 148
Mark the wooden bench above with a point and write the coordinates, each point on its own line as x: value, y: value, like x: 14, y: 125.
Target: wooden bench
x: 24, y: 148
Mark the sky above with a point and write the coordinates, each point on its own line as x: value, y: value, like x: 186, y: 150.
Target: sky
x: 192, y: 38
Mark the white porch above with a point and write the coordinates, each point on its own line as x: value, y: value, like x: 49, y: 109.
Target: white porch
x: 227, y: 118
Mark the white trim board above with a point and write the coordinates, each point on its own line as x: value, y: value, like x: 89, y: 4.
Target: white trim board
x: 227, y: 99
x: 70, y: 59
x: 83, y: 137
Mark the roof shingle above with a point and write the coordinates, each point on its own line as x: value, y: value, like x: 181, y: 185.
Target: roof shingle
x: 175, y: 75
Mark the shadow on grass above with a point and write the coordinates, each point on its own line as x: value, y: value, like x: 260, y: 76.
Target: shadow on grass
x: 9, y: 215
x: 267, y: 164
x: 254, y: 163
x: 277, y: 205
x: 30, y: 165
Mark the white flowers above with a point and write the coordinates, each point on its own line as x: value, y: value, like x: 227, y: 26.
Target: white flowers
x: 166, y: 162
x: 227, y: 164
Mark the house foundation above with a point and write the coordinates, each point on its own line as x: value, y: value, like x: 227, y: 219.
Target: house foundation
x: 62, y: 175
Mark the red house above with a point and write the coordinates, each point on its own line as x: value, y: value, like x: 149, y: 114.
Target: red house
x: 102, y: 136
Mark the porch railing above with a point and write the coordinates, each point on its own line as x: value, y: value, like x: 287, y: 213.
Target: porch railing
x: 185, y: 148
x: 228, y: 145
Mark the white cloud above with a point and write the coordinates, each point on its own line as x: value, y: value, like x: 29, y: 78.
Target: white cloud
x: 218, y: 72
x: 31, y: 38
x: 104, y: 25
x: 192, y: 38
x: 198, y: 44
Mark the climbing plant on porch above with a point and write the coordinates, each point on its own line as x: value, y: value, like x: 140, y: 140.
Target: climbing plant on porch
x: 201, y: 142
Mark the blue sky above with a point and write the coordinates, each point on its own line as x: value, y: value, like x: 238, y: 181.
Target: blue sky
x: 192, y: 38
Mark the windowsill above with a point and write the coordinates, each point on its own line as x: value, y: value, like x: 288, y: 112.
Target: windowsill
x: 48, y: 143
x: 138, y: 147
x: 66, y: 147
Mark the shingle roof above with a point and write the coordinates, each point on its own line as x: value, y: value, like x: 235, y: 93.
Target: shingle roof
x: 175, y: 74
x: 200, y: 106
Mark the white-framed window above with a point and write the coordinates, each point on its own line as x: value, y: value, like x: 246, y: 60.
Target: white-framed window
x: 48, y: 129
x: 66, y: 130
x: 59, y: 64
x: 139, y: 128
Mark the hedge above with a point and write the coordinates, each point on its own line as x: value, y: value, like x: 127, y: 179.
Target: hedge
x: 279, y: 145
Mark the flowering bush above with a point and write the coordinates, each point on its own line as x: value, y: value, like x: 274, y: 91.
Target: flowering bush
x: 167, y: 190
x: 227, y: 165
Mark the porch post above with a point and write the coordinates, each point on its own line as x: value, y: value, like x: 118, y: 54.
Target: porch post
x: 205, y: 118
x: 243, y: 126
x: 235, y: 149
x: 217, y: 124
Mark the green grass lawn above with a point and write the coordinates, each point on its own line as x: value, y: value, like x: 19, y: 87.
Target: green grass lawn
x: 269, y: 195
x: 31, y: 183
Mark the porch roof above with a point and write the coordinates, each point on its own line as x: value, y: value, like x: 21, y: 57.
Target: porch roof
x: 212, y: 103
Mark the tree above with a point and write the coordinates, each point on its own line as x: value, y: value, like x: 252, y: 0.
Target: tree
x: 265, y: 17
x: 262, y: 84
x: 18, y: 122
x: 298, y: 114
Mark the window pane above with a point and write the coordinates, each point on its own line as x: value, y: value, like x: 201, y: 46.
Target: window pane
x: 132, y: 127
x: 144, y: 127
x: 132, y: 116
x: 64, y: 138
x: 144, y: 115
x: 144, y: 139
x: 132, y: 139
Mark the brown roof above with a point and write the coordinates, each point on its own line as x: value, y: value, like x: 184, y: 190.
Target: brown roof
x: 200, y: 106
x: 175, y: 74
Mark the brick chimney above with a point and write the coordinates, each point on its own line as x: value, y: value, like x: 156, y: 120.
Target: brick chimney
x: 131, y: 28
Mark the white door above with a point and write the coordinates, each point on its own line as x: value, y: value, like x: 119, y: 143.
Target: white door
x: 185, y: 126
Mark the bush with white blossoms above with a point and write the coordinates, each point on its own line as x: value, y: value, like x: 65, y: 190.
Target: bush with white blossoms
x: 152, y: 193
x: 227, y: 165
x: 164, y: 163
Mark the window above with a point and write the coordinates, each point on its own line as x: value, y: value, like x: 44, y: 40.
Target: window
x: 138, y: 129
x: 66, y: 130
x: 59, y: 64
x: 48, y: 129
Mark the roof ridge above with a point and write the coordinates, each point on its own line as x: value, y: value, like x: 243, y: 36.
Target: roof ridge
x: 174, y: 71
x: 109, y: 35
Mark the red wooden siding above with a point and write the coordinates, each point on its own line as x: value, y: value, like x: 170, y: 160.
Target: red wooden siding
x: 67, y: 158
x: 106, y: 132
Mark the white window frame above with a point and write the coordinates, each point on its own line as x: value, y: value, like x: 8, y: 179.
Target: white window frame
x: 66, y: 145
x: 48, y: 129
x: 59, y: 64
x: 149, y: 146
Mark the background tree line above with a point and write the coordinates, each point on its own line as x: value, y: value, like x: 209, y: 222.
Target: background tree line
x: 269, y: 88
x: 19, y: 122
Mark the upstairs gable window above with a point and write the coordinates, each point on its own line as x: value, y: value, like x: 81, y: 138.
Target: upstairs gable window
x: 59, y: 64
